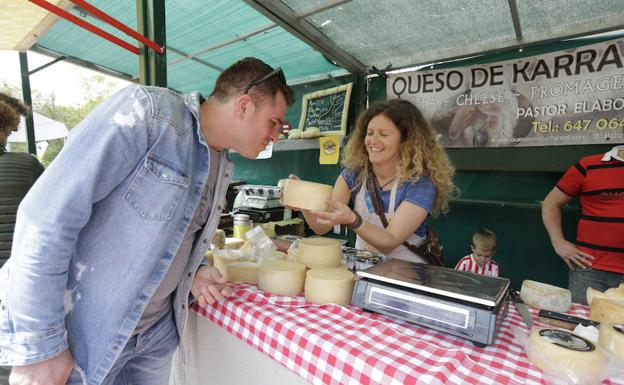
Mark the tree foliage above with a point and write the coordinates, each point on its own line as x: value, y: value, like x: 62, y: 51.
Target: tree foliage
x: 96, y: 88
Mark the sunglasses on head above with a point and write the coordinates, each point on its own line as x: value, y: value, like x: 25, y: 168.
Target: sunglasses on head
x: 277, y: 71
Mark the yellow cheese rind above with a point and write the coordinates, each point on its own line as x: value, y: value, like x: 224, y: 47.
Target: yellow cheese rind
x: 606, y: 310
x: 611, y: 339
x: 329, y: 285
x: 575, y: 366
x: 541, y: 295
x: 281, y: 277
x: 319, y: 252
x: 234, y: 243
x: 306, y: 195
x: 242, y: 272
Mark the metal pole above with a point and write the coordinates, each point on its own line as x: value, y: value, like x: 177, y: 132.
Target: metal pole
x: 30, y: 124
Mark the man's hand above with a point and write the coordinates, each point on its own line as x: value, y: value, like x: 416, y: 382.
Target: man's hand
x: 209, y: 286
x: 55, y: 371
x: 572, y: 256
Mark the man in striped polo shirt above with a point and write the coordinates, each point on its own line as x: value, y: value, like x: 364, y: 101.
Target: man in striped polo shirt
x: 480, y: 260
x: 596, y: 259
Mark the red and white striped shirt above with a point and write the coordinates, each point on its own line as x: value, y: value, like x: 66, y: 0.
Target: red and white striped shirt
x: 469, y: 264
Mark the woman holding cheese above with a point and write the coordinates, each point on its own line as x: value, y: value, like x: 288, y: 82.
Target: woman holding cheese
x: 395, y: 145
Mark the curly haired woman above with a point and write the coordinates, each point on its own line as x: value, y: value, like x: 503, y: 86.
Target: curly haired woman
x: 394, y: 144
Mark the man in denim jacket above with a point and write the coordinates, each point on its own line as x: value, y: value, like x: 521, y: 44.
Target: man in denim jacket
x: 109, y: 241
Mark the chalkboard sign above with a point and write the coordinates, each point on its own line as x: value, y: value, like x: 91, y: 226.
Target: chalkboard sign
x: 327, y: 110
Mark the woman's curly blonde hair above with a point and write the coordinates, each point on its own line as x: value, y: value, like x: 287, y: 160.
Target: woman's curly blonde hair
x: 420, y: 152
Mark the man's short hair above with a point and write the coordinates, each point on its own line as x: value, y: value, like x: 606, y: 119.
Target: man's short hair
x: 237, y: 77
x: 485, y: 239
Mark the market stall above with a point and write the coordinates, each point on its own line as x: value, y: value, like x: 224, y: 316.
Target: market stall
x: 243, y: 339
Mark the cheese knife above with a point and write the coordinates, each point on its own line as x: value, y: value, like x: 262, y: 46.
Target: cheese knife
x: 521, y: 307
x: 564, y: 320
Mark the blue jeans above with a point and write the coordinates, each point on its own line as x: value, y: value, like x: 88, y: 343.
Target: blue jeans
x: 580, y: 279
x: 146, y: 358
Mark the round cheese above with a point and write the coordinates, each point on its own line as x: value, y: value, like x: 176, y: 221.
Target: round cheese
x: 242, y: 272
x: 611, y: 339
x: 311, y: 132
x: 281, y: 277
x: 306, y: 195
x: 615, y: 295
x: 566, y: 356
x: 544, y: 296
x: 319, y: 252
x: 329, y: 285
x: 209, y: 254
x: 233, y: 243
x: 607, y: 310
x: 221, y: 258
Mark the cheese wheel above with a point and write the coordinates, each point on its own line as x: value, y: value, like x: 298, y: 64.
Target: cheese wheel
x: 615, y: 295
x: 221, y: 258
x: 294, y: 134
x: 306, y: 195
x: 566, y: 356
x: 281, y: 277
x: 233, y: 243
x: 274, y: 255
x: 242, y: 272
x: 311, y: 132
x: 218, y: 239
x: 319, y: 252
x: 611, y: 339
x: 329, y: 285
x: 606, y: 310
x: 544, y: 296
x: 209, y: 254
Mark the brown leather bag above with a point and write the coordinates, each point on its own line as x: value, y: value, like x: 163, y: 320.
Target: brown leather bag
x: 430, y: 249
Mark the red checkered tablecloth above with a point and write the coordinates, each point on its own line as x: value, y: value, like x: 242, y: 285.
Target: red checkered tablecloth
x: 331, y: 344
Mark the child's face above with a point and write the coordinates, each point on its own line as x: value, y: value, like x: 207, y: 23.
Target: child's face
x: 482, y: 256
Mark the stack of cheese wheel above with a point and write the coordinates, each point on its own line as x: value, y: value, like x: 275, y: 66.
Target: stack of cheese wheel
x: 566, y: 356
x: 306, y: 195
x: 242, y: 272
x: 282, y: 277
x: 544, y: 296
x: 606, y: 307
x: 221, y: 258
x: 611, y: 339
x: 329, y: 285
x: 233, y: 243
x: 319, y: 252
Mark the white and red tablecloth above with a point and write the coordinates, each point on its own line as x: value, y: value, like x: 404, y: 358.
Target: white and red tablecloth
x: 331, y: 344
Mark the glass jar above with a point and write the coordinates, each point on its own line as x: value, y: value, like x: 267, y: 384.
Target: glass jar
x: 242, y: 224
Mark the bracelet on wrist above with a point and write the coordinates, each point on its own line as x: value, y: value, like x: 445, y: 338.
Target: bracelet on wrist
x: 356, y: 223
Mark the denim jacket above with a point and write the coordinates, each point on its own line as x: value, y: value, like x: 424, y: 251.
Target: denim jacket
x: 98, y: 231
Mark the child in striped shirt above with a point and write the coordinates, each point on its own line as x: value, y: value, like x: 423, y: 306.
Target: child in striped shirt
x: 480, y: 260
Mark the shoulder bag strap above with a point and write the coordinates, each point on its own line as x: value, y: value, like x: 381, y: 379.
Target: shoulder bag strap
x: 372, y: 186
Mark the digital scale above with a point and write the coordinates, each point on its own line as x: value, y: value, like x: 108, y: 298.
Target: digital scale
x: 460, y: 303
x: 260, y: 202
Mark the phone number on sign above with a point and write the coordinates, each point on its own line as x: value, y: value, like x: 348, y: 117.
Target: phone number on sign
x: 579, y: 125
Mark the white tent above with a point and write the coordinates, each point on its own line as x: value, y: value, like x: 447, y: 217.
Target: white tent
x: 45, y: 129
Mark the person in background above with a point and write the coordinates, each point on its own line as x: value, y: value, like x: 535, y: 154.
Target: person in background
x: 109, y: 243
x: 18, y: 172
x: 596, y: 258
x: 480, y: 260
x: 394, y: 144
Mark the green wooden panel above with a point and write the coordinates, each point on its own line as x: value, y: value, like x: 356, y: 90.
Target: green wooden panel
x: 524, y: 250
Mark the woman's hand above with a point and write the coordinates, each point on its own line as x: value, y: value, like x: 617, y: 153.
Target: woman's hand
x: 337, y: 213
x: 209, y: 286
